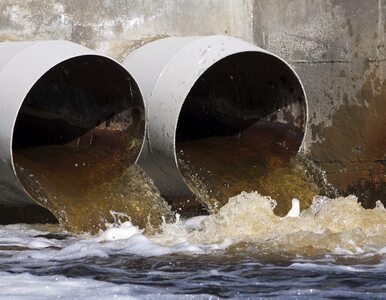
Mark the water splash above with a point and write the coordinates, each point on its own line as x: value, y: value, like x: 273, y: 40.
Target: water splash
x: 270, y: 169
x: 83, y: 205
x: 337, y: 226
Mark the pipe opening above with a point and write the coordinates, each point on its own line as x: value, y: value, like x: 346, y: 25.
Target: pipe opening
x: 81, y: 125
x: 244, y: 117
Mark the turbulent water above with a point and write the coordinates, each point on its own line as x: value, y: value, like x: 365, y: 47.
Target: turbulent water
x: 246, y: 248
x: 335, y: 248
x: 263, y: 164
x: 83, y: 190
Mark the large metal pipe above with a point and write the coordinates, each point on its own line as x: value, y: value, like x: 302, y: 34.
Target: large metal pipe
x: 200, y: 87
x: 64, y: 107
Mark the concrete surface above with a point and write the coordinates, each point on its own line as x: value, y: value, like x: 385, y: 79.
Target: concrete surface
x: 338, y: 49
x: 115, y: 26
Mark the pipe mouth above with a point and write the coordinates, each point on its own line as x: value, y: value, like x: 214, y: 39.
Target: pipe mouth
x: 245, y: 115
x: 79, y: 126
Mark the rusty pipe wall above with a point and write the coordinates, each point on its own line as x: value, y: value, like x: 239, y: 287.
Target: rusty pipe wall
x: 62, y: 107
x: 197, y: 88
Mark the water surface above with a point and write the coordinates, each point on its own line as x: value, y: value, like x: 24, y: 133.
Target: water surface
x: 335, y: 249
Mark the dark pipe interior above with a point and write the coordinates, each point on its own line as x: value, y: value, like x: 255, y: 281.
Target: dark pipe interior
x: 80, y: 125
x: 241, y: 110
x: 74, y: 98
x: 240, y: 92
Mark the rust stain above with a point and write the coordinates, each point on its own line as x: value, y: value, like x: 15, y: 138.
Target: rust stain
x: 353, y: 151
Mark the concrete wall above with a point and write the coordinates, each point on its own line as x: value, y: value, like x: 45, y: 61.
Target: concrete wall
x: 115, y: 26
x: 337, y: 47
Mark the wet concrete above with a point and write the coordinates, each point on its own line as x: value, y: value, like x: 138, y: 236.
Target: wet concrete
x: 354, y: 148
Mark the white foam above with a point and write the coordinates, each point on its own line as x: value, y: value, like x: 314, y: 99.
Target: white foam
x: 38, y: 244
x: 29, y: 287
x: 120, y: 240
x: 125, y: 231
x: 294, y: 212
x: 194, y: 223
x: 246, y: 218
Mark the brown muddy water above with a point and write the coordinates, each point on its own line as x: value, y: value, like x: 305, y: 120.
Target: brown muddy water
x: 262, y: 158
x: 83, y: 186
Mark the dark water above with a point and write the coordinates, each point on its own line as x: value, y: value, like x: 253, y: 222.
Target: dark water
x: 222, y: 275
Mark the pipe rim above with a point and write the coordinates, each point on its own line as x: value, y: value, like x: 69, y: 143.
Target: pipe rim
x: 174, y: 63
x: 69, y: 51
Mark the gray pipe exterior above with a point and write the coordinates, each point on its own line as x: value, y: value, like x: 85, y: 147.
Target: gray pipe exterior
x: 165, y: 71
x: 22, y: 64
